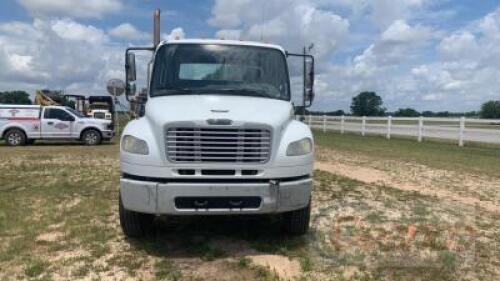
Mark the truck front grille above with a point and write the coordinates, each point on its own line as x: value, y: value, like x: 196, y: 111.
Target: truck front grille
x: 227, y: 145
x: 99, y: 115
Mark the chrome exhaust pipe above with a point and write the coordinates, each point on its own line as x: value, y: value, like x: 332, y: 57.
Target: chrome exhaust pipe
x: 156, y: 31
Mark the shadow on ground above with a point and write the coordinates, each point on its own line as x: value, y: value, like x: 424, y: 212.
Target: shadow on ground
x: 210, y: 237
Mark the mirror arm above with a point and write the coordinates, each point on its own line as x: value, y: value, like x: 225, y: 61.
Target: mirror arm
x: 127, y: 83
x: 302, y: 56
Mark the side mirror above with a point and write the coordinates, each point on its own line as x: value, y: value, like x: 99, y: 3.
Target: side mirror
x: 130, y: 67
x: 309, y: 81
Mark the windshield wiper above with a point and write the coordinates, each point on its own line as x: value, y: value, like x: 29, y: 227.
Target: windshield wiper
x: 201, y: 91
x: 174, y: 91
x: 243, y: 91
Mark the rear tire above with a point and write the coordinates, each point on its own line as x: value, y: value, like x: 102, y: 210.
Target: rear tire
x: 297, y: 222
x: 134, y: 224
x: 15, y: 137
x: 91, y: 137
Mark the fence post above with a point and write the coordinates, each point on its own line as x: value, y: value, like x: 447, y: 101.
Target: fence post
x: 462, y: 130
x: 310, y: 120
x: 324, y: 123
x: 420, y: 128
x: 342, y: 124
x: 363, y: 126
x: 389, y: 124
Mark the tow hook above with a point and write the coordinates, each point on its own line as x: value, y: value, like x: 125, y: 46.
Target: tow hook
x: 275, y: 188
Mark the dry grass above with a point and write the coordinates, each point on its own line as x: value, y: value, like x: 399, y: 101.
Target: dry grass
x: 58, y: 221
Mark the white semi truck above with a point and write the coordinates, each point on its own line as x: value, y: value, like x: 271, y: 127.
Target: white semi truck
x: 23, y: 124
x: 216, y: 136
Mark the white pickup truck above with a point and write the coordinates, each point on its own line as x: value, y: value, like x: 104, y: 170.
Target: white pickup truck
x: 23, y: 124
x: 216, y: 135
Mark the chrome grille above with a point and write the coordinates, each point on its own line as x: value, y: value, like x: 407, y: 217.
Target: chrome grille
x: 99, y: 115
x: 228, y: 145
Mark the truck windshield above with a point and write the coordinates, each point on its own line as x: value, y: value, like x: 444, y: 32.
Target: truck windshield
x: 182, y: 69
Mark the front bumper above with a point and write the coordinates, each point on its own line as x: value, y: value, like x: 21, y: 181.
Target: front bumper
x: 108, y: 134
x: 277, y: 196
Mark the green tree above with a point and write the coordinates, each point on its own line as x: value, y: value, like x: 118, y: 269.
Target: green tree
x: 490, y: 110
x: 367, y: 104
x: 15, y: 97
x: 406, y: 112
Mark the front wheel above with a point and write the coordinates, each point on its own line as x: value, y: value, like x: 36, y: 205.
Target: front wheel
x: 91, y: 137
x: 15, y: 137
x: 297, y: 222
x: 134, y: 224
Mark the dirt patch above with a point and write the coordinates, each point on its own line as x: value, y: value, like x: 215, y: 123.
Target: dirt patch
x: 284, y: 267
x: 219, y: 270
x: 374, y: 176
x: 50, y: 236
x: 362, y: 174
x: 469, y: 189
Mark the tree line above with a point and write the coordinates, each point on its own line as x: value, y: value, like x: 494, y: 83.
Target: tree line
x: 371, y: 104
x: 364, y: 104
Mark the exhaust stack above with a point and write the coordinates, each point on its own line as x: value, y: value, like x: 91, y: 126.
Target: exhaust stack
x: 156, y: 31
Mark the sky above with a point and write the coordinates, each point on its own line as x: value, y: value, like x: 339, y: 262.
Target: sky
x: 426, y: 54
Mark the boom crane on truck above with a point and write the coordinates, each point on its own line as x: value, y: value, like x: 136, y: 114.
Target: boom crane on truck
x: 44, y: 100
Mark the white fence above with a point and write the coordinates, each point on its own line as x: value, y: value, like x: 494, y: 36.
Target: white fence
x: 460, y: 130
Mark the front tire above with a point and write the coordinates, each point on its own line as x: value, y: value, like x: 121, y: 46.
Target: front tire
x: 15, y: 137
x: 134, y: 224
x: 91, y: 137
x: 297, y: 222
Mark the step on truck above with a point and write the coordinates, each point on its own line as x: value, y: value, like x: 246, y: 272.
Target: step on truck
x: 216, y: 135
x: 24, y: 124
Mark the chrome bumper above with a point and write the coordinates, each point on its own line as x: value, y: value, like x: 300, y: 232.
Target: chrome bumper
x: 108, y: 134
x: 159, y: 198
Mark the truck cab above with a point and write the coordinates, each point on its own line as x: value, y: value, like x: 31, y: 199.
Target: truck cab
x: 23, y: 124
x: 215, y: 135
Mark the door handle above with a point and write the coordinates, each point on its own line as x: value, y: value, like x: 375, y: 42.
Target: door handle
x: 50, y: 123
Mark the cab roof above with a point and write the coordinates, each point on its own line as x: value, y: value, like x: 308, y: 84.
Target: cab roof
x: 223, y: 42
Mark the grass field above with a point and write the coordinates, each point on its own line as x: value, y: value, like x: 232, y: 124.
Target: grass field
x: 482, y: 159
x: 59, y: 220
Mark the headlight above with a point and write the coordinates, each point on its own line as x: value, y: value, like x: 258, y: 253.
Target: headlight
x: 134, y: 145
x: 301, y: 147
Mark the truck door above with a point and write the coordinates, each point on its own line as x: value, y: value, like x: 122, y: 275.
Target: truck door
x: 56, y: 123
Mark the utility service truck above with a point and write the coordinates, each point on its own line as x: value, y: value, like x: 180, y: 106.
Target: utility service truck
x: 23, y: 124
x: 216, y: 135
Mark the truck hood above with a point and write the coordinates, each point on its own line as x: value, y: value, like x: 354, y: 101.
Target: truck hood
x: 200, y: 108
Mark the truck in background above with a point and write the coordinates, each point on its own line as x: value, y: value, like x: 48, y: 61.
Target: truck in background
x: 215, y: 135
x: 23, y: 124
x: 101, y: 107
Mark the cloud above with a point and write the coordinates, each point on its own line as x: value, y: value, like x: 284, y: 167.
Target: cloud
x: 77, y: 9
x: 71, y: 30
x: 400, y: 32
x: 232, y: 34
x: 128, y: 31
x: 385, y: 12
x: 291, y: 23
x: 58, y: 54
x: 176, y: 33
